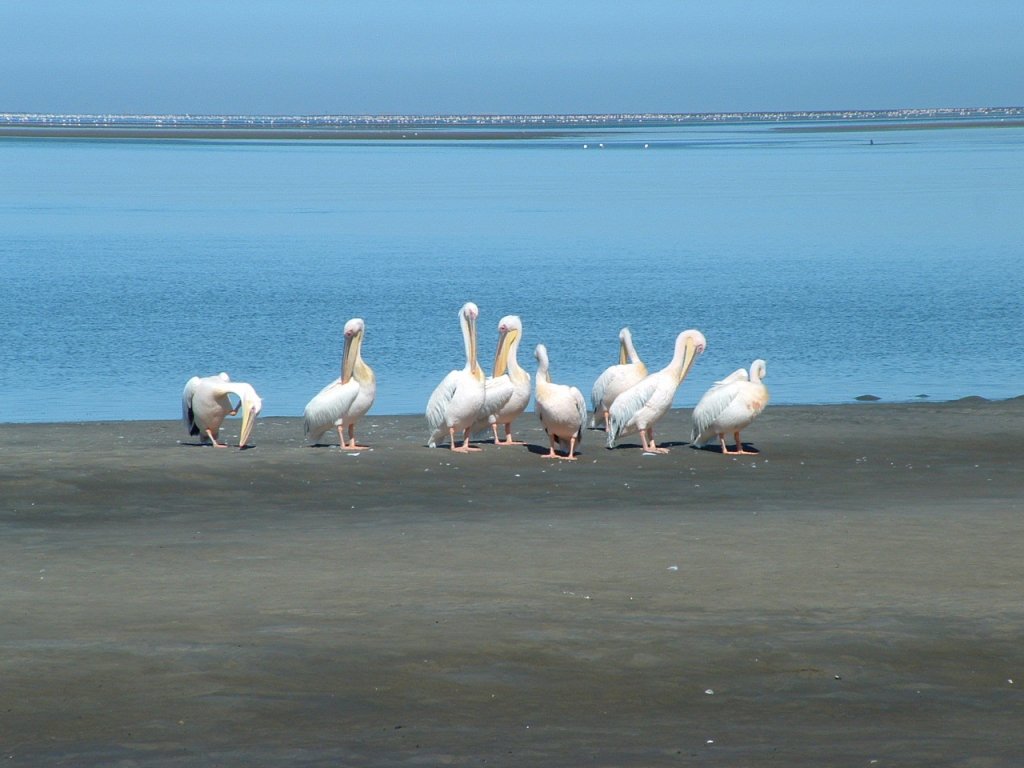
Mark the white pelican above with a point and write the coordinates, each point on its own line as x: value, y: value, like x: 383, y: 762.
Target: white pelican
x: 507, y: 389
x: 346, y: 399
x: 561, y: 408
x: 640, y: 407
x: 206, y: 402
x: 616, y: 379
x: 729, y: 407
x: 458, y: 400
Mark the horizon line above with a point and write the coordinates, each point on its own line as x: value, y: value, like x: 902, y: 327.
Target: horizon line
x: 895, y: 111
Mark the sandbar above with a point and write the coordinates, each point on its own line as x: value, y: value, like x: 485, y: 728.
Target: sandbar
x: 852, y: 595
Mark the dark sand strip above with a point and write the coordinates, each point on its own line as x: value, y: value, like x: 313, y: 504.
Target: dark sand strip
x: 908, y: 125
x: 855, y: 593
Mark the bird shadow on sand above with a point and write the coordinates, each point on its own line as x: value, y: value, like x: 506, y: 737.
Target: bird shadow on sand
x: 191, y: 444
x: 717, y: 448
x: 639, y: 446
x: 542, y: 450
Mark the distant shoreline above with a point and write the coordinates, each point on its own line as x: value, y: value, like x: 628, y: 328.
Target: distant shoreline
x: 483, y: 133
x: 488, y: 127
x: 279, y: 134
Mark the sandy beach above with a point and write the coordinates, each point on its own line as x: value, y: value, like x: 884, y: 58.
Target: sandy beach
x: 851, y: 596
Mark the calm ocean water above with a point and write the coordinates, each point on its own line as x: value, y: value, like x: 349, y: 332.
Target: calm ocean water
x: 893, y: 268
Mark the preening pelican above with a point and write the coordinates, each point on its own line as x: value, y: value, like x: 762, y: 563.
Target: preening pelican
x: 616, y: 379
x: 507, y: 389
x: 458, y: 400
x: 729, y: 407
x: 346, y: 399
x: 561, y: 408
x: 206, y: 402
x: 640, y: 407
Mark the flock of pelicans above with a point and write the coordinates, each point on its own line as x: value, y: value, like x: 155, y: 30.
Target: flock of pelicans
x: 625, y: 396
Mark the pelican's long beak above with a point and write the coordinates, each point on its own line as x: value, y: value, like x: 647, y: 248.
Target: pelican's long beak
x: 351, y: 353
x: 690, y: 354
x: 623, y: 357
x: 501, y: 357
x: 250, y: 408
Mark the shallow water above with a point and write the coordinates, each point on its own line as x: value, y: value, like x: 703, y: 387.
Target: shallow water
x: 889, y: 268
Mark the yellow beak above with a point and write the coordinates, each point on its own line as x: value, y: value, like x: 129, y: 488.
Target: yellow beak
x: 248, y: 422
x: 501, y: 357
x: 689, y: 356
x: 348, y: 360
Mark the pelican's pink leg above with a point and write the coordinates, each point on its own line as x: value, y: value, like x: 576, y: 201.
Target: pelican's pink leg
x: 213, y: 439
x: 551, y: 454
x: 494, y: 428
x: 739, y: 447
x: 572, y: 449
x: 721, y: 439
x: 465, y: 447
x: 341, y: 436
x: 652, y: 447
x: 508, y: 436
x: 607, y: 421
x: 352, y: 446
x: 643, y: 440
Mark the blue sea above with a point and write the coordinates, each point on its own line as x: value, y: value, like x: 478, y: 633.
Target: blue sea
x: 856, y: 262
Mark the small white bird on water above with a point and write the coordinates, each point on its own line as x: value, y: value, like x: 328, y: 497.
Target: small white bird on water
x: 458, y: 401
x: 561, y: 409
x: 729, y: 407
x: 640, y: 407
x: 346, y: 399
x: 206, y: 402
x: 616, y: 379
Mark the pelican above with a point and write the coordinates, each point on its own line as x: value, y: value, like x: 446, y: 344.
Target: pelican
x: 616, y: 379
x: 458, y: 400
x: 206, y: 402
x: 640, y: 407
x: 508, y: 387
x: 561, y: 408
x: 730, y: 406
x: 346, y: 399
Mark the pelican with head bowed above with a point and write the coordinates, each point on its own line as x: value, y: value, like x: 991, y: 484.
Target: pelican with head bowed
x: 729, y: 407
x: 206, y: 402
x: 616, y: 379
x: 640, y: 407
x: 507, y: 389
x: 346, y: 399
x: 561, y: 409
x: 458, y: 401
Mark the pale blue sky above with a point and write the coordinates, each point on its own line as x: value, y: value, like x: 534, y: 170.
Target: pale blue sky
x: 508, y: 56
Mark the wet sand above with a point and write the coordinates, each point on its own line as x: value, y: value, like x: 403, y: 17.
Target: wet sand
x: 851, y: 596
